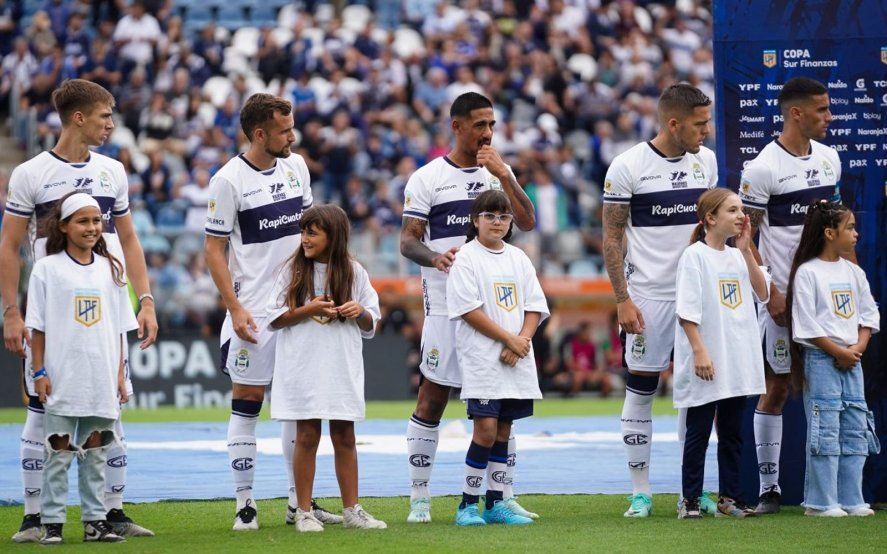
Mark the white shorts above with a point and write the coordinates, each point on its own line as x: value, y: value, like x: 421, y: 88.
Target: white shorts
x: 776, y: 343
x: 29, y: 379
x: 247, y: 363
x: 439, y: 362
x: 652, y: 350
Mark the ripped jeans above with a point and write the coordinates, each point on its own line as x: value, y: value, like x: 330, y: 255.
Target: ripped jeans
x: 90, y: 467
x: 840, y: 433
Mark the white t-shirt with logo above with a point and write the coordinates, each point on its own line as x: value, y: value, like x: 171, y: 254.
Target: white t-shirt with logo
x: 82, y: 312
x: 784, y: 185
x: 36, y: 186
x: 505, y: 285
x: 832, y: 300
x: 259, y: 211
x: 715, y: 292
x: 441, y: 193
x: 661, y: 194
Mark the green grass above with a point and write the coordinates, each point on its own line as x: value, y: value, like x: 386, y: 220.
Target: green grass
x: 400, y: 409
x: 577, y: 523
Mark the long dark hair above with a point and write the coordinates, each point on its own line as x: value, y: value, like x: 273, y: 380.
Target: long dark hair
x: 821, y: 215
x: 56, y: 240
x: 709, y: 203
x: 340, y: 273
x: 489, y: 201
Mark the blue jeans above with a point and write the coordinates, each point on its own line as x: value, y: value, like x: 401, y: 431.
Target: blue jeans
x: 840, y: 433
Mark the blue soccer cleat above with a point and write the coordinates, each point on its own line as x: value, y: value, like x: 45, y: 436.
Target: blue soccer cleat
x: 469, y: 516
x: 641, y: 505
x: 501, y: 513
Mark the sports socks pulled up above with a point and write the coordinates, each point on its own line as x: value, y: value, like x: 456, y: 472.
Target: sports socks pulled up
x: 422, y: 438
x: 242, y: 447
x: 637, y: 428
x: 768, y: 444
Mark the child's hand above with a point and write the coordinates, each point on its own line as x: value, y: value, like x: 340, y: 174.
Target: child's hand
x: 743, y: 239
x: 847, y: 358
x: 508, y: 357
x: 518, y: 344
x: 320, y: 306
x: 43, y: 388
x: 705, y: 370
x: 350, y: 309
x: 121, y: 390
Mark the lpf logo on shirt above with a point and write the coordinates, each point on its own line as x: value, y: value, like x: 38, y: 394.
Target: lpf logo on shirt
x: 842, y: 300
x: 506, y: 295
x: 87, y: 307
x: 729, y: 292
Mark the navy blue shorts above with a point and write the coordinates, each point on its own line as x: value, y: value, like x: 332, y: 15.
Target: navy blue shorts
x: 506, y: 409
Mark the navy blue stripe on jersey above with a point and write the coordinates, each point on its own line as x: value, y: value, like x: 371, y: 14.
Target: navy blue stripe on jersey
x: 18, y: 212
x: 254, y: 168
x: 754, y: 204
x: 617, y: 199
x: 412, y: 213
x: 662, y: 155
x: 271, y: 221
x: 216, y: 233
x: 465, y: 169
x: 119, y: 213
x: 665, y: 208
x: 449, y: 219
x: 804, y: 157
x: 789, y: 209
x: 77, y: 165
x: 106, y: 206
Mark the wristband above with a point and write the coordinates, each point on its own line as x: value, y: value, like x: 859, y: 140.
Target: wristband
x: 146, y: 296
x: 39, y: 373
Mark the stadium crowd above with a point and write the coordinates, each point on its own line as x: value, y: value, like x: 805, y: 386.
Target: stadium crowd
x: 574, y: 83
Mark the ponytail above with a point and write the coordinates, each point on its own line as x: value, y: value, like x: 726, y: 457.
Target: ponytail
x: 709, y: 203
x: 698, y: 233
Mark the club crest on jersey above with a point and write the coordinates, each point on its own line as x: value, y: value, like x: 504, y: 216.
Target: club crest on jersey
x: 842, y: 301
x: 638, y: 348
x: 87, y: 307
x: 780, y: 351
x: 746, y: 186
x: 608, y: 185
x: 827, y: 169
x: 276, y: 190
x: 293, y: 181
x: 678, y: 179
x: 105, y: 181
x: 408, y: 200
x: 241, y: 360
x: 495, y: 183
x: 769, y: 58
x: 729, y: 293
x: 211, y: 206
x: 432, y: 361
x: 698, y: 174
x: 506, y: 295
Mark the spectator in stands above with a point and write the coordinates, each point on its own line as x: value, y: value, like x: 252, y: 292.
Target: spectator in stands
x: 18, y: 68
x: 196, y: 194
x: 136, y: 35
x: 10, y: 15
x: 581, y: 361
x: 340, y: 142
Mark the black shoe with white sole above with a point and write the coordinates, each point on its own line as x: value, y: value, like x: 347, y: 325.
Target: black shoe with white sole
x: 100, y: 531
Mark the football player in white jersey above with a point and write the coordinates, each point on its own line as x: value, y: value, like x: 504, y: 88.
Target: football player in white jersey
x: 252, y: 226
x: 35, y: 187
x: 776, y: 189
x: 437, y: 203
x: 650, y: 195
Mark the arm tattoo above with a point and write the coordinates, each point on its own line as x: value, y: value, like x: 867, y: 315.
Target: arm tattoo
x: 524, y: 212
x: 755, y: 217
x: 411, y: 245
x: 615, y: 220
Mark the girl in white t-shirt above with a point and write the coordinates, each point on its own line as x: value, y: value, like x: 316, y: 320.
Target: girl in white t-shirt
x: 78, y: 310
x: 323, y: 305
x: 715, y: 364
x: 833, y: 316
x: 493, y: 293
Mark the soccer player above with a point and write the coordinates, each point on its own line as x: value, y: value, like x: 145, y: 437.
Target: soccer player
x: 437, y: 203
x: 256, y: 202
x: 35, y: 187
x: 650, y: 194
x: 776, y: 188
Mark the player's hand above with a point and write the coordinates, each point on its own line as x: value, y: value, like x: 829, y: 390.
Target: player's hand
x: 847, y: 358
x: 320, y: 306
x: 350, y: 309
x: 244, y: 325
x: 858, y: 347
x: 630, y: 317
x: 444, y: 261
x: 508, y: 357
x: 518, y: 344
x: 122, y: 395
x: 43, y: 388
x: 705, y: 370
x: 776, y: 307
x: 488, y: 157
x: 743, y: 239
x: 15, y: 334
x: 147, y: 319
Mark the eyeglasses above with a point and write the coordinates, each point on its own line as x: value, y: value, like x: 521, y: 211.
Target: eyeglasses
x: 490, y: 217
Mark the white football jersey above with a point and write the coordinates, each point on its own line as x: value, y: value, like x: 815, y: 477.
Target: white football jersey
x: 36, y: 186
x: 784, y: 185
x: 661, y: 193
x: 441, y: 193
x: 259, y: 211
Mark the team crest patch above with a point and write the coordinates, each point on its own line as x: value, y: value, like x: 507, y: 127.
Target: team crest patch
x: 211, y: 205
x: 842, y: 301
x: 495, y: 184
x: 506, y: 295
x: 105, y: 181
x: 746, y: 186
x: 241, y: 360
x: 769, y: 58
x: 638, y: 348
x: 608, y: 185
x: 87, y: 308
x: 433, y: 359
x: 697, y: 173
x: 729, y: 293
x: 322, y: 319
x: 293, y: 181
x: 780, y: 351
x: 827, y: 169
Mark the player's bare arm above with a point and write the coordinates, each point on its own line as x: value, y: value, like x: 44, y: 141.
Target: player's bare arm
x: 524, y: 213
x: 137, y: 271
x: 242, y: 321
x: 615, y: 218
x: 12, y: 235
x: 412, y: 247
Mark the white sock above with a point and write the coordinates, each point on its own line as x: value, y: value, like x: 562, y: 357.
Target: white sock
x: 421, y: 447
x: 508, y: 490
x: 31, y: 450
x: 115, y: 469
x: 637, y: 436
x: 242, y: 455
x: 288, y: 443
x: 768, y: 443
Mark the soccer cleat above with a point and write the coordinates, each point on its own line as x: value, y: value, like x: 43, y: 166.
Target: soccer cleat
x: 30, y: 530
x: 833, y: 512
x: 641, y: 505
x: 707, y: 505
x: 126, y: 527
x: 307, y: 522
x: 862, y: 511
x: 247, y: 518
x: 769, y: 502
x: 100, y: 531
x: 728, y: 507
x: 500, y: 513
x: 325, y: 517
x: 420, y: 511
x: 689, y: 509
x: 358, y: 518
x: 53, y: 534
x: 468, y: 515
x: 511, y: 504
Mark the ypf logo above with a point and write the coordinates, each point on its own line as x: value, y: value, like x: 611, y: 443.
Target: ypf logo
x: 506, y: 295
x: 420, y: 460
x: 767, y: 468
x: 474, y: 481
x: 242, y: 464
x: 635, y: 439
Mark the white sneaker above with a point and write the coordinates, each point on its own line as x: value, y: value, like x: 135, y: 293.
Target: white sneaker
x: 358, y: 518
x: 511, y: 504
x: 307, y: 522
x: 325, y: 517
x: 420, y: 511
x: 247, y: 518
x: 862, y: 511
x: 833, y: 512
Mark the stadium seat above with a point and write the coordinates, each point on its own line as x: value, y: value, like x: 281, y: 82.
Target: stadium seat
x: 207, y: 113
x: 320, y: 86
x: 282, y: 35
x: 569, y: 246
x: 583, y: 65
x: 235, y: 62
x: 123, y: 137
x: 356, y: 17
x: 347, y: 35
x: 287, y: 16
x: 217, y: 90
x: 324, y: 13
x: 644, y: 19
x: 408, y: 43
x: 246, y: 41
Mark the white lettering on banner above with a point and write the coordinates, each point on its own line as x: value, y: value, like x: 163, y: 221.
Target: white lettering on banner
x: 278, y: 221
x: 193, y: 395
x: 169, y: 356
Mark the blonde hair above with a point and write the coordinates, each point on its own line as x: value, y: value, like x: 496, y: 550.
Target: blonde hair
x: 709, y: 203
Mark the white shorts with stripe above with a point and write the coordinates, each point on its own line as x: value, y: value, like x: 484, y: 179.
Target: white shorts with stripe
x: 439, y: 362
x: 775, y: 342
x: 652, y: 350
x: 247, y: 363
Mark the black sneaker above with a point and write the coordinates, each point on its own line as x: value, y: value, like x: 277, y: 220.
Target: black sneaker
x: 30, y: 531
x: 689, y: 509
x: 53, y: 534
x: 100, y: 531
x: 247, y: 518
x: 769, y: 503
x: 126, y: 527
